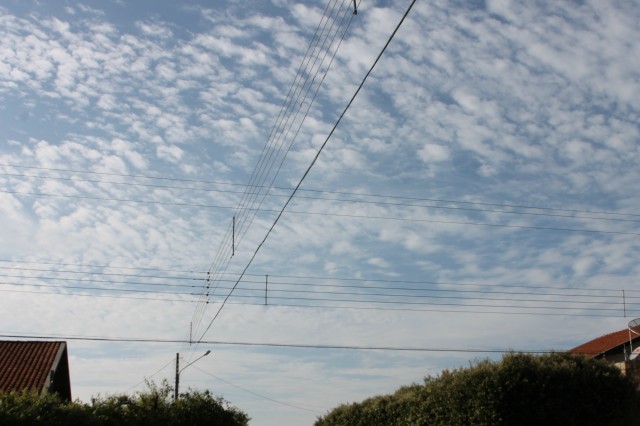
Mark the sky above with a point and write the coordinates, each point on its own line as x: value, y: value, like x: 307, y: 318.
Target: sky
x: 478, y: 195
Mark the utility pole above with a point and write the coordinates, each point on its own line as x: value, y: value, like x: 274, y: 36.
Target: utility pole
x: 175, y: 392
x: 180, y: 370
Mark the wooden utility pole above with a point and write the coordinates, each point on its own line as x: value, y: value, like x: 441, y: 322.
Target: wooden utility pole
x: 175, y: 392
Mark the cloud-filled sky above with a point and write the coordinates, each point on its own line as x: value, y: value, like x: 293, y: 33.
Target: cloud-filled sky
x: 480, y: 192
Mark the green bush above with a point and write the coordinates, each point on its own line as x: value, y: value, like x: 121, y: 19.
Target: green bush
x: 521, y: 389
x: 151, y: 408
x: 19, y: 409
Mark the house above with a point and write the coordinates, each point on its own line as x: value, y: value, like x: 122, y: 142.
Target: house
x: 35, y: 366
x: 620, y: 348
x: 615, y: 347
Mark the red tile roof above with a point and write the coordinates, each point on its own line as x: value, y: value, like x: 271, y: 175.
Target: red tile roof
x: 27, y: 365
x: 604, y: 343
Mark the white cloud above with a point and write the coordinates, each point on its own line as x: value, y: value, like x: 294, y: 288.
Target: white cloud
x: 128, y: 151
x: 170, y: 153
x: 433, y: 153
x: 379, y: 262
x: 500, y: 7
x: 111, y: 164
x: 107, y: 102
x: 154, y: 29
x: 471, y: 115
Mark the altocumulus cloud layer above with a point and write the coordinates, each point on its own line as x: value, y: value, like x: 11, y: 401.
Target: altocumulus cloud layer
x: 479, y: 193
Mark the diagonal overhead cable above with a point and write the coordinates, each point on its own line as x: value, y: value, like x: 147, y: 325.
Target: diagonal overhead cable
x: 326, y: 141
x: 287, y: 404
x: 296, y: 132
x: 222, y: 258
x: 315, y: 67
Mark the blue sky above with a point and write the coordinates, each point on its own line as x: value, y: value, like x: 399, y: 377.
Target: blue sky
x: 480, y: 193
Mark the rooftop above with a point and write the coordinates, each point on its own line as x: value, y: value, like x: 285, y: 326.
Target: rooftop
x: 604, y: 344
x: 29, y: 365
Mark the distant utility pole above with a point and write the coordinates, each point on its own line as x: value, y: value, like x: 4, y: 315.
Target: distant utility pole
x: 179, y: 371
x: 175, y: 392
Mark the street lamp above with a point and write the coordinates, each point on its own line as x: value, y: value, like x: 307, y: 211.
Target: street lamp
x: 180, y: 370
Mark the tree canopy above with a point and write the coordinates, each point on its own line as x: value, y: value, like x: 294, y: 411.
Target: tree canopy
x: 150, y: 408
x: 521, y: 389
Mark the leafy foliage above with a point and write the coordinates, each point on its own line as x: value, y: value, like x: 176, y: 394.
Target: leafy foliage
x: 521, y: 389
x: 151, y: 408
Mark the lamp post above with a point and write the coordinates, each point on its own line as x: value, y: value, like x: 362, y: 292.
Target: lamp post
x: 180, y: 370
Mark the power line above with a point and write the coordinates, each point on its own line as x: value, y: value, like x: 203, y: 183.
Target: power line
x: 260, y: 175
x: 296, y: 277
x: 449, y: 311
x: 148, y: 377
x: 95, y: 280
x: 305, y: 114
x: 405, y: 309
x: 324, y: 191
x: 462, y: 305
x: 103, y: 273
x: 173, y: 179
x: 222, y: 260
x: 287, y: 404
x: 343, y: 215
x: 120, y: 200
x: 128, y: 183
x: 391, y: 298
x: 111, y: 289
x: 452, y: 222
x: 244, y: 210
x: 619, y: 216
x: 284, y: 289
x: 260, y: 171
x: 98, y: 295
x: 310, y: 166
x: 85, y: 265
x: 272, y: 344
x: 445, y: 285
x: 485, y: 289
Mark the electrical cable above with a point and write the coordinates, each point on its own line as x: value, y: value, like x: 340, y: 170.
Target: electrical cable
x: 25, y: 335
x: 352, y: 216
x: 148, y: 377
x: 305, y: 114
x: 243, y: 211
x: 287, y: 404
x: 353, y: 194
x: 107, y: 296
x: 378, y: 217
x: 391, y: 297
x: 85, y: 265
x: 484, y: 285
x: 103, y: 273
x: 341, y: 200
x: 405, y: 309
x: 261, y: 172
x: 487, y: 290
x: 286, y: 105
x: 310, y: 167
x: 219, y: 264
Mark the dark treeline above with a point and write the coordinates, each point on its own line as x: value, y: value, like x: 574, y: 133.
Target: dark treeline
x: 521, y: 389
x: 150, y: 408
